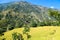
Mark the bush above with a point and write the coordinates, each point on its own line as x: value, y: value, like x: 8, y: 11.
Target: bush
x: 17, y: 36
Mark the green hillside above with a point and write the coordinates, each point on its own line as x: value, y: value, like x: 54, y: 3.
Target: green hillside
x: 21, y: 14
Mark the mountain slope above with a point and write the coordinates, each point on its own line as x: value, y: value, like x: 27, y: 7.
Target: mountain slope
x: 25, y: 7
x: 17, y: 14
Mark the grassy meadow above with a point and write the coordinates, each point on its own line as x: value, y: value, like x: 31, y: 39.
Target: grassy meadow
x: 38, y: 33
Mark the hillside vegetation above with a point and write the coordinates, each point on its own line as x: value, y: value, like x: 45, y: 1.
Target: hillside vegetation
x: 20, y: 14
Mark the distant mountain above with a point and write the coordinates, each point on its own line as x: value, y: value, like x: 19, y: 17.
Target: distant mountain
x: 16, y: 14
x: 39, y: 12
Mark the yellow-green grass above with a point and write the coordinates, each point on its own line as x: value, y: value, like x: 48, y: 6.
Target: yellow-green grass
x: 38, y: 33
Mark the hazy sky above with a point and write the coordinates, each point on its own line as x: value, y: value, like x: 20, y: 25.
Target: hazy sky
x: 46, y: 3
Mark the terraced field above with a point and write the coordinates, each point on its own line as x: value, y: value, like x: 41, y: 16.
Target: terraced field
x: 38, y: 33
